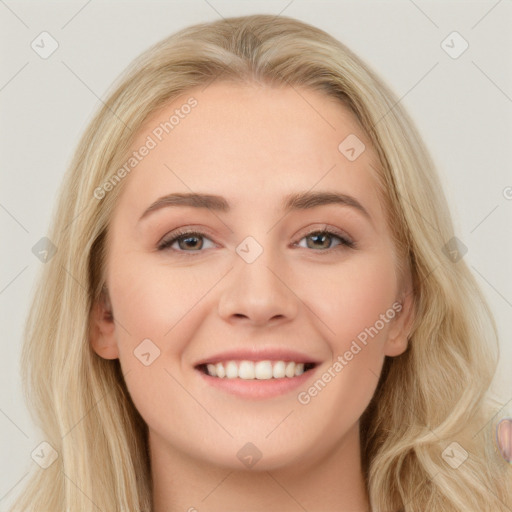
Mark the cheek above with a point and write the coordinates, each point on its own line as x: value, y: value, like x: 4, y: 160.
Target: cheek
x: 155, y: 300
x: 161, y: 311
x: 356, y: 319
x: 356, y: 300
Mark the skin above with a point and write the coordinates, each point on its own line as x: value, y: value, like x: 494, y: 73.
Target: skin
x: 252, y: 144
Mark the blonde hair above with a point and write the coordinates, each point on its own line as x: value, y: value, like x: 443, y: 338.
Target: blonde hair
x: 433, y: 395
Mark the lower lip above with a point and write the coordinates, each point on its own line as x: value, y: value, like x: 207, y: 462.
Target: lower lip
x: 256, y: 388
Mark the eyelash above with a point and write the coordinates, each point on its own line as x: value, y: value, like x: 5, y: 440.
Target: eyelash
x: 182, y: 234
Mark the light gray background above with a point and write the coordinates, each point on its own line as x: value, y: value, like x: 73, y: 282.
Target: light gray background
x: 462, y: 107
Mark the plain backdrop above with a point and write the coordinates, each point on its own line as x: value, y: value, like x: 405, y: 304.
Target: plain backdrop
x: 462, y: 107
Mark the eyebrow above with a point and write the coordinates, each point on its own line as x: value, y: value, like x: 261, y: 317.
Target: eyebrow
x: 295, y: 201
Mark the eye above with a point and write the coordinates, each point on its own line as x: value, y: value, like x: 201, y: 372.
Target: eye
x: 185, y: 240
x: 322, y: 239
x: 193, y: 240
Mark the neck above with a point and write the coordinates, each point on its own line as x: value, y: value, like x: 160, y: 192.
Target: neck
x: 332, y: 483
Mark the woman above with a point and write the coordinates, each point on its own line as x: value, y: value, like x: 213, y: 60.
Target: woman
x: 259, y: 371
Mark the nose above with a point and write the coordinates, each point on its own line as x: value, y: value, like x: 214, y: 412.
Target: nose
x: 259, y: 292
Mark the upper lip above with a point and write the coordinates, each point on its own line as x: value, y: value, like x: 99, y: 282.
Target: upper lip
x: 261, y: 354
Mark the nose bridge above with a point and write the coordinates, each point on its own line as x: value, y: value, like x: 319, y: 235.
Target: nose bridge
x: 257, y: 284
x: 257, y: 264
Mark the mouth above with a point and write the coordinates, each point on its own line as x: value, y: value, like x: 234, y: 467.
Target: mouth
x: 257, y: 374
x: 255, y: 370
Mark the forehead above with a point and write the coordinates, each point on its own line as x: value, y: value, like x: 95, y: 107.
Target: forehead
x: 254, y: 143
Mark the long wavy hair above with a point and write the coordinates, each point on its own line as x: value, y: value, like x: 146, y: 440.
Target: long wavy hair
x: 431, y: 403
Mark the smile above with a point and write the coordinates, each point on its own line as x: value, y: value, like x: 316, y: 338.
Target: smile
x: 252, y: 370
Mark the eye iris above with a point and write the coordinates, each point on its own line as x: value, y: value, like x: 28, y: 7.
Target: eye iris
x: 320, y: 235
x: 186, y: 239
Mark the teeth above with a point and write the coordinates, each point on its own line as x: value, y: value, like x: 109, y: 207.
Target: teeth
x: 231, y: 370
x: 278, y: 371
x: 299, y: 369
x: 290, y: 370
x: 250, y: 370
x: 219, y: 370
x: 263, y: 370
x: 246, y: 370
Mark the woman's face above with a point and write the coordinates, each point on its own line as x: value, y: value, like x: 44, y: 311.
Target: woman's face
x: 259, y: 284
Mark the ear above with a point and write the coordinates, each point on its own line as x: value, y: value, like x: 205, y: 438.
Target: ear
x: 102, y: 328
x: 401, y: 325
